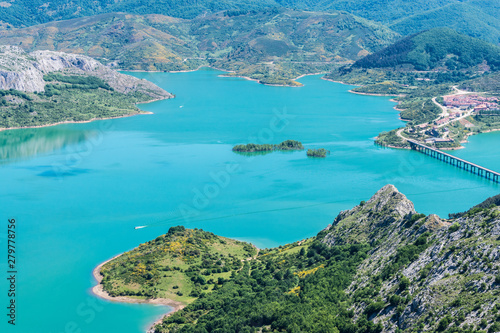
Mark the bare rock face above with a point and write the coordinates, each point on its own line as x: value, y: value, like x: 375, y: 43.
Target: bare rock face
x: 386, y: 210
x: 17, y: 71
x: 24, y: 71
x: 50, y: 61
x: 388, y: 198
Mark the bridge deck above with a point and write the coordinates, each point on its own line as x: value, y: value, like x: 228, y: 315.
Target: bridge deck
x: 453, y: 157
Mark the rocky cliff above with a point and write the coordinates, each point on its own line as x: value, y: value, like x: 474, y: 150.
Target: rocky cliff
x: 24, y: 71
x: 423, y: 273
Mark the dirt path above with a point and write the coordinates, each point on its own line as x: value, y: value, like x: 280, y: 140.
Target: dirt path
x: 444, y: 110
x: 398, y: 133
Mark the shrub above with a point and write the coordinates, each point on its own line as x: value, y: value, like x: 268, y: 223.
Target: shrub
x: 494, y: 328
x: 444, y: 323
x: 395, y: 300
x: 374, y: 308
x: 454, y: 227
x: 404, y: 283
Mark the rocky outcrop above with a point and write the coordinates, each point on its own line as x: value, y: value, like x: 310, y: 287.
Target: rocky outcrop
x: 385, y: 211
x: 24, y: 71
x: 423, y: 273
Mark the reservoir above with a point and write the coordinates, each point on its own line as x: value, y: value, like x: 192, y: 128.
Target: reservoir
x: 77, y: 191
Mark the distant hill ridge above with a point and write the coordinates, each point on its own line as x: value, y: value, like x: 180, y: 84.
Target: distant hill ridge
x: 476, y: 18
x: 285, y: 43
x: 438, y: 47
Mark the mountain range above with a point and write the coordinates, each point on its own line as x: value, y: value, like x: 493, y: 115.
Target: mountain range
x: 477, y: 18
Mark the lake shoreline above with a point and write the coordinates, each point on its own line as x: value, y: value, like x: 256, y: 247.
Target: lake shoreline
x: 372, y: 94
x: 341, y: 82
x: 238, y: 76
x: 76, y: 122
x: 98, y: 291
x: 273, y: 84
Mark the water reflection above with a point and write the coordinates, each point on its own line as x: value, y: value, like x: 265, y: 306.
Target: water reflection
x: 25, y: 143
x: 253, y: 153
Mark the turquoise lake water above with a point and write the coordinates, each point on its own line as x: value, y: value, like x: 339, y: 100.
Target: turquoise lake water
x: 77, y: 191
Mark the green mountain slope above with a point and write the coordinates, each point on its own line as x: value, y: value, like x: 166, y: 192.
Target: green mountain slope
x: 380, y: 267
x: 479, y: 19
x: 256, y: 43
x: 438, y: 47
x: 488, y: 83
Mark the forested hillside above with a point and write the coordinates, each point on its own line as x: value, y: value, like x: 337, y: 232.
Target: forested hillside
x: 438, y: 47
x: 477, y: 18
x: 489, y: 83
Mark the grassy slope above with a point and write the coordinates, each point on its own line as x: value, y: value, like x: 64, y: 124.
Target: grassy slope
x: 478, y: 18
x: 474, y: 18
x: 488, y: 83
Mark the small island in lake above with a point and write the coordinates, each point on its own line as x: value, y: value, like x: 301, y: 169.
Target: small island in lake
x: 321, y: 152
x: 252, y: 147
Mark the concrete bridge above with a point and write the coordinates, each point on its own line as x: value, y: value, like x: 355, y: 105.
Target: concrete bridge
x: 458, y: 162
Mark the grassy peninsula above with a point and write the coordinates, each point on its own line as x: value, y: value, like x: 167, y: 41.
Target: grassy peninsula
x: 181, y: 265
x: 379, y: 267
